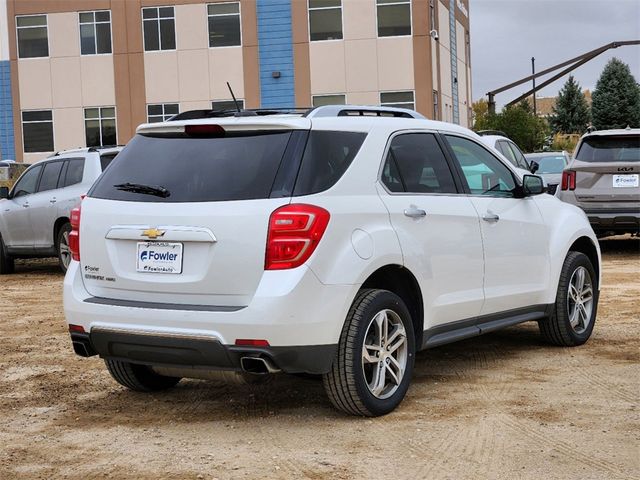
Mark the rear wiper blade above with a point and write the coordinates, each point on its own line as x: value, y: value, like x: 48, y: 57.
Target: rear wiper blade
x: 158, y: 191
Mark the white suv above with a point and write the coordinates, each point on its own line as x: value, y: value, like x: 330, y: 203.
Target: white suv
x: 34, y: 214
x: 337, y: 242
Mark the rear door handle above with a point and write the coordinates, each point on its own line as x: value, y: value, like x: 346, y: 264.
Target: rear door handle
x: 25, y: 205
x: 414, y: 212
x: 490, y: 217
x: 53, y: 200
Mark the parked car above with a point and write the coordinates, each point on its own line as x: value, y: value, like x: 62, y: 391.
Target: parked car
x: 550, y: 166
x: 508, y: 148
x: 604, y: 180
x: 34, y: 214
x: 336, y: 242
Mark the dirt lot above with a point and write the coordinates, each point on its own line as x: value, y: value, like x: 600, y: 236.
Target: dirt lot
x: 500, y: 406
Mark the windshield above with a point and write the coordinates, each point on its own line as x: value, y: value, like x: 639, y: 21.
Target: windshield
x: 621, y: 148
x: 551, y: 164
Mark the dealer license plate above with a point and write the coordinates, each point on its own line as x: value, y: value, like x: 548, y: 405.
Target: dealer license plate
x: 626, y: 181
x: 159, y: 257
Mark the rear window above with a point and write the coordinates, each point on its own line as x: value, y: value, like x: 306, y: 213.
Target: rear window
x: 622, y: 148
x: 550, y: 164
x: 195, y: 169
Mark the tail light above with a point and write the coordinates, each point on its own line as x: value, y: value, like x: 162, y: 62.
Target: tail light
x: 294, y: 233
x: 568, y: 180
x: 74, y: 235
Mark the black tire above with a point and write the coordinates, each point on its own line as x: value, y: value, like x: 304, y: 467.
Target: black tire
x: 7, y: 264
x: 346, y: 384
x: 62, y: 239
x: 557, y: 329
x: 139, y: 378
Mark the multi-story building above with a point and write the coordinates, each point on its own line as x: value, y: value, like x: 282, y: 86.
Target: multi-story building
x: 87, y: 72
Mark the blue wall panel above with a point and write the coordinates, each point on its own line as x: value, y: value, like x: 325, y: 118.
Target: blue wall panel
x: 7, y: 145
x: 275, y: 47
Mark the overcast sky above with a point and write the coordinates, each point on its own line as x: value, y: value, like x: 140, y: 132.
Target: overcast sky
x: 505, y: 34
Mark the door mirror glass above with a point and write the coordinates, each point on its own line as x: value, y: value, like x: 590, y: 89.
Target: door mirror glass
x: 532, y: 185
x: 534, y: 166
x: 4, y: 192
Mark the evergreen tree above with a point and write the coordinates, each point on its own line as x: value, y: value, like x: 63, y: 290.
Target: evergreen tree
x: 616, y: 99
x: 571, y: 112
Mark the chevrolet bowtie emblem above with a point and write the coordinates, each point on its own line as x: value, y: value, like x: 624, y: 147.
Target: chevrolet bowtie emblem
x: 153, y: 233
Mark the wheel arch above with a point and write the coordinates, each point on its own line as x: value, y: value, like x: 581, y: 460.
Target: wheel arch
x: 586, y: 246
x: 399, y: 280
x: 57, y: 226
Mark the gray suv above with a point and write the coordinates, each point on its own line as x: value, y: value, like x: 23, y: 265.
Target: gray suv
x: 604, y: 180
x: 34, y: 214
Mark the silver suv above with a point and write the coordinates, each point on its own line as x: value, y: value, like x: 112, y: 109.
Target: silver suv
x: 34, y: 214
x: 604, y: 180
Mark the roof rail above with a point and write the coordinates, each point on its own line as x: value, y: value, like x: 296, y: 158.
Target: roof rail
x: 484, y: 133
x: 102, y: 147
x: 362, y: 111
x: 253, y: 112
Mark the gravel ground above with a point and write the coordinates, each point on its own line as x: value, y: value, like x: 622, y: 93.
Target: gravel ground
x: 504, y: 405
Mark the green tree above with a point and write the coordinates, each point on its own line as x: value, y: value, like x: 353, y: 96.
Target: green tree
x: 616, y: 99
x: 571, y: 112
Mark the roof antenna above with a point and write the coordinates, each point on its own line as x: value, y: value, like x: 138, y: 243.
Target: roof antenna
x: 234, y: 98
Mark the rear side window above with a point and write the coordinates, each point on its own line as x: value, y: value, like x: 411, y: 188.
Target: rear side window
x: 196, y: 169
x: 327, y: 156
x: 50, y: 175
x: 621, y: 148
x: 106, y: 159
x: 415, y: 164
x: 75, y: 171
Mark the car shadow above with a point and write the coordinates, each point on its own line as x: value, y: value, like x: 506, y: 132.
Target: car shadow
x: 38, y: 265
x: 621, y: 244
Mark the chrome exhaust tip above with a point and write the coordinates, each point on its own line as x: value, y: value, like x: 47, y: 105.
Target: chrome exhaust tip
x: 258, y: 365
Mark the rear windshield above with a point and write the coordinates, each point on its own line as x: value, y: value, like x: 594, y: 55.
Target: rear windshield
x: 550, y: 163
x: 195, y: 169
x: 622, y: 148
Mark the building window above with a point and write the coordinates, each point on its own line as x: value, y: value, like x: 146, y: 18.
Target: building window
x: 95, y: 32
x: 100, y: 126
x: 325, y: 20
x: 394, y: 18
x: 159, y: 25
x: 224, y: 25
x: 162, y: 112
x: 436, y: 106
x: 321, y: 100
x: 37, y: 131
x: 397, y: 99
x: 220, y: 105
x: 33, y: 39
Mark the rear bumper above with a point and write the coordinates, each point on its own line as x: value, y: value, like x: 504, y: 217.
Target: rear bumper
x: 622, y: 220
x: 300, y: 317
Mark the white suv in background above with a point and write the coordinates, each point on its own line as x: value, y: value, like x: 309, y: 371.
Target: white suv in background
x: 34, y: 214
x: 337, y: 242
x: 507, y: 148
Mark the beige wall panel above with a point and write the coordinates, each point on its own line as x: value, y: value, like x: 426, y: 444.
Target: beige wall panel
x: 327, y: 61
x: 34, y: 157
x: 161, y: 77
x: 191, y: 27
x: 462, y: 83
x: 363, y: 98
x: 69, y: 128
x: 66, y: 83
x: 362, y: 65
x: 201, y: 105
x: 226, y: 65
x: 443, y: 24
x: 35, y: 83
x: 359, y: 19
x: 64, y: 34
x: 395, y: 63
x: 98, y: 86
x: 461, y: 46
x: 193, y: 74
x: 445, y: 71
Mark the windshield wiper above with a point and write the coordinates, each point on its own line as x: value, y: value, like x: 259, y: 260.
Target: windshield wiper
x: 158, y: 191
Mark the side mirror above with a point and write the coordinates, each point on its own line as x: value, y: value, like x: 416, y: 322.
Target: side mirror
x: 532, y: 185
x: 534, y: 166
x: 4, y: 192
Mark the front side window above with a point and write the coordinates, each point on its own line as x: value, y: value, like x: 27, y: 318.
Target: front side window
x: 28, y: 182
x: 325, y: 20
x: 416, y: 164
x: 503, y: 147
x: 397, y: 99
x: 321, y: 100
x: 521, y: 162
x: 50, y: 176
x: 394, y: 18
x: 37, y: 131
x: 484, y: 173
x: 33, y: 38
x: 162, y: 112
x: 159, y: 27
x: 95, y: 32
x: 224, y: 25
x: 221, y: 105
x: 100, y: 126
